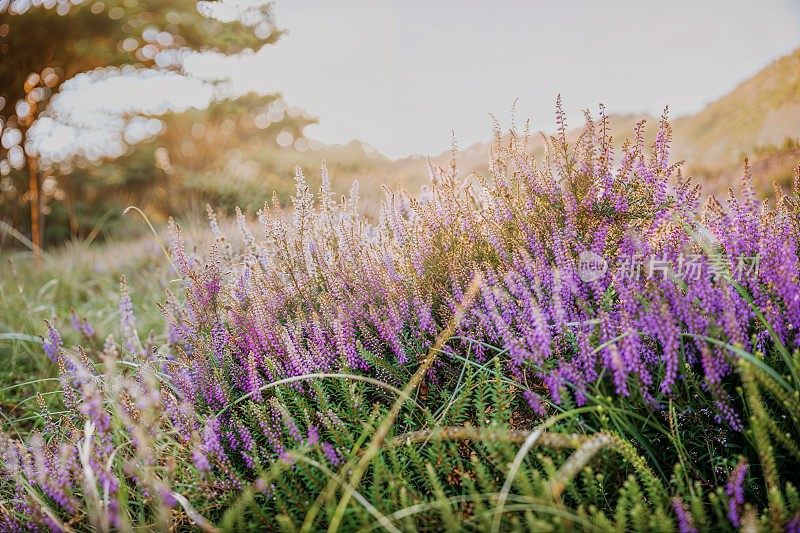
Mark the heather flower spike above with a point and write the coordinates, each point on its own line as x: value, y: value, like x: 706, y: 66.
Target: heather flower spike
x: 735, y: 492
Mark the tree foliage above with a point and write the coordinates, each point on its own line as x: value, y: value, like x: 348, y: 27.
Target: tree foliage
x: 43, y: 43
x: 198, y: 158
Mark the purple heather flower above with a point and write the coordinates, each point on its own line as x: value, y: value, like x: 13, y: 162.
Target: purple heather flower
x: 313, y: 435
x: 127, y: 318
x: 200, y: 461
x: 178, y: 250
x: 735, y: 492
x: 166, y: 496
x: 87, y: 329
x: 80, y: 325
x: 74, y: 320
x: 52, y: 343
x: 535, y: 403
x: 292, y: 428
x: 685, y: 521
x: 271, y: 427
x: 793, y: 526
x: 211, y: 443
x: 346, y: 342
x: 332, y: 286
x: 219, y: 339
x: 330, y: 453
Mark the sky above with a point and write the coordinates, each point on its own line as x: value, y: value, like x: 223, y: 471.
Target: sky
x: 408, y: 76
x: 405, y: 75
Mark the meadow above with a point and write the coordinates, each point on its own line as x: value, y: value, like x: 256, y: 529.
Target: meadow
x: 449, y: 364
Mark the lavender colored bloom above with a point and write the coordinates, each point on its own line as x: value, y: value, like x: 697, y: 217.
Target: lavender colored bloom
x: 219, y: 339
x: 74, y: 320
x: 167, y: 497
x: 87, y: 329
x: 734, y: 489
x: 346, y: 342
x: 684, y: 517
x: 81, y: 325
x: 271, y: 428
x: 330, y: 453
x: 336, y: 284
x: 211, y: 443
x: 292, y: 428
x: 535, y: 403
x: 52, y: 343
x: 313, y: 435
x: 793, y: 526
x: 328, y: 290
x: 200, y: 461
x: 127, y: 318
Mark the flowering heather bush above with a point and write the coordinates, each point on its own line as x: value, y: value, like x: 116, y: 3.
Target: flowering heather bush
x: 257, y: 340
x: 329, y: 290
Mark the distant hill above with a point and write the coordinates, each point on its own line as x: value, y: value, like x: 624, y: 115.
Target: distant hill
x: 759, y: 119
x: 761, y: 113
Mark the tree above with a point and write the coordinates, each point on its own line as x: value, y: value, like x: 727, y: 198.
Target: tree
x: 45, y: 42
x: 200, y: 156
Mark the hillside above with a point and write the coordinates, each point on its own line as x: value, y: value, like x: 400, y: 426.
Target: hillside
x: 762, y: 112
x: 759, y: 119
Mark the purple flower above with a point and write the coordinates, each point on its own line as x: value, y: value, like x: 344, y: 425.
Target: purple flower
x: 329, y: 290
x: 793, y: 526
x: 219, y: 339
x: 313, y: 435
x: 735, y: 492
x: 200, y: 461
x: 535, y: 403
x: 52, y: 343
x: 330, y: 453
x: 80, y: 325
x: 166, y: 496
x: 127, y: 318
x: 685, y: 521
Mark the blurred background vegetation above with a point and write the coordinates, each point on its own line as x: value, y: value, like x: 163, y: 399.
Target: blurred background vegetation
x: 45, y: 45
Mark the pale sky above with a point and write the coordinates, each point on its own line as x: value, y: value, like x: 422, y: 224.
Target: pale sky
x: 402, y: 75
x: 405, y: 75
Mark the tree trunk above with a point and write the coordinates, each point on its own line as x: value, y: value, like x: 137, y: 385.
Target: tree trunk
x: 74, y: 227
x: 37, y: 222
